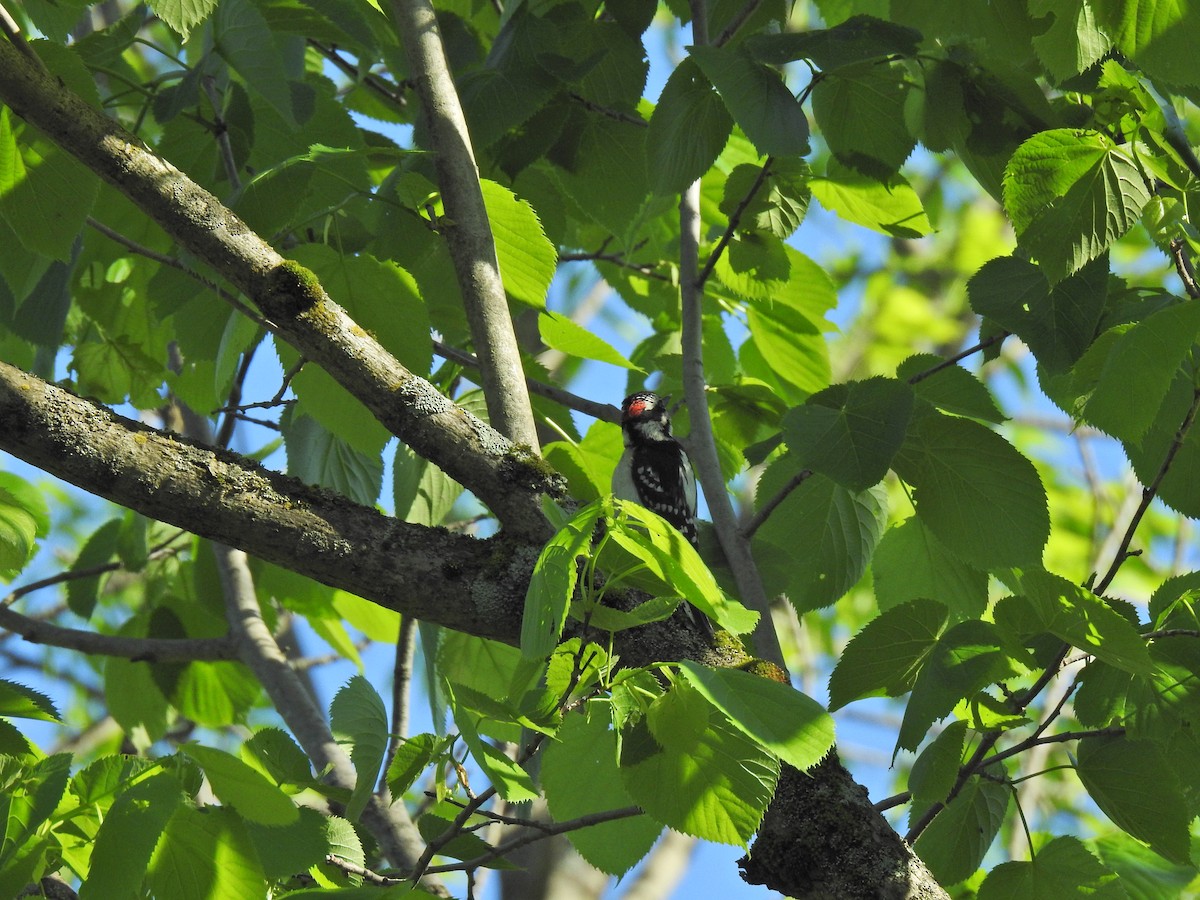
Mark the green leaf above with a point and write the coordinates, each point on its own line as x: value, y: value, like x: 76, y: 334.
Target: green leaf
x: 838, y: 527
x: 284, y: 850
x: 1058, y: 323
x: 668, y: 557
x: 1063, y: 868
x: 317, y: 454
x: 890, y: 207
x: 205, y: 853
x: 553, y: 583
x: 357, y: 717
x: 850, y: 432
x: 982, y: 499
x: 381, y: 297
x: 128, y: 835
x: 951, y: 388
x: 1155, y: 36
x: 688, y: 129
x: 183, y: 15
x: 968, y: 657
x: 20, y: 702
x: 1133, y: 785
x: 18, y: 534
x: 1136, y: 371
x: 779, y: 203
x: 413, y: 756
x: 955, y: 842
x: 585, y: 743
x: 859, y: 110
x: 563, y: 334
x: 273, y: 752
x: 936, y: 769
x: 1074, y: 42
x: 1081, y: 618
x: 527, y: 258
x: 887, y: 654
x: 911, y: 563
x: 1070, y: 195
x: 757, y: 99
x: 241, y: 36
x: 422, y: 493
x: 857, y: 39
x: 244, y: 788
x: 1144, y: 874
x: 510, y: 780
x: 790, y: 724
x: 687, y: 767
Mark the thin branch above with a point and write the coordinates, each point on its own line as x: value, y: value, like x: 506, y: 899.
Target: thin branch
x: 402, y: 671
x: 470, y: 240
x: 392, y: 94
x: 959, y: 357
x: 618, y: 115
x: 1183, y: 266
x: 163, y: 259
x: 606, y: 412
x: 740, y: 19
x: 734, y: 221
x: 221, y: 130
x: 701, y: 441
x: 550, y: 830
x: 767, y: 508
x: 132, y: 648
x: 389, y: 824
x: 1148, y: 494
x: 1060, y: 738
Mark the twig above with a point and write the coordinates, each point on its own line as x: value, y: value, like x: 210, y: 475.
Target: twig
x: 627, y: 118
x: 392, y: 93
x: 402, y: 670
x: 737, y: 22
x: 156, y: 552
x: 221, y: 130
x: 606, y: 412
x: 132, y: 648
x: 174, y: 263
x: 538, y: 835
x: 1183, y: 266
x: 958, y: 357
x: 1148, y: 494
x: 769, y: 507
x: 734, y: 221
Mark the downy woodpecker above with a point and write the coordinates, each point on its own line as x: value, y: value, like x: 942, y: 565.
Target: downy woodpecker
x: 655, y: 471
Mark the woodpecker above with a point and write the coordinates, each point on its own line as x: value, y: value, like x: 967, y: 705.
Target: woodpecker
x: 655, y: 471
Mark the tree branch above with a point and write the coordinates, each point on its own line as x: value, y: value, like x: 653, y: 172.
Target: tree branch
x: 390, y: 824
x: 290, y: 297
x: 136, y: 649
x: 449, y: 579
x: 701, y: 442
x: 469, y: 233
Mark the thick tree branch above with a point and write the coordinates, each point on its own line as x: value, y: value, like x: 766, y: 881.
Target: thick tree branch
x: 449, y: 579
x: 468, y: 231
x: 289, y: 296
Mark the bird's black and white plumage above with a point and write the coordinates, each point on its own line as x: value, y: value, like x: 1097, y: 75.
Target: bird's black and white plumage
x: 655, y: 472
